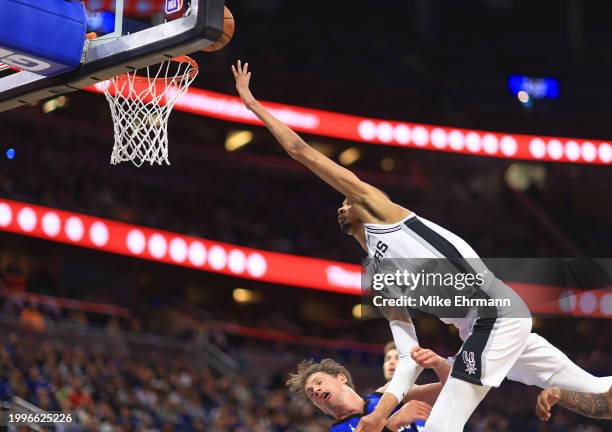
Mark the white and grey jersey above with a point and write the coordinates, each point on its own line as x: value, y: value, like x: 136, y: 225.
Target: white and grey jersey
x: 417, y: 239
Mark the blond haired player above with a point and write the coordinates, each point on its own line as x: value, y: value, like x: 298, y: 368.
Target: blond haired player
x: 329, y: 386
x: 385, y: 230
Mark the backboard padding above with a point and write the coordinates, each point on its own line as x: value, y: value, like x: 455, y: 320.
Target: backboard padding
x: 185, y: 35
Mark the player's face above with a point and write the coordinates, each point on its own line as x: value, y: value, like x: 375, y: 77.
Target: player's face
x: 390, y: 364
x: 325, y: 392
x: 346, y: 218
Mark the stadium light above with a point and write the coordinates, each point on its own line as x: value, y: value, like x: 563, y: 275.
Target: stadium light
x: 245, y: 296
x: 536, y: 87
x: 387, y: 164
x: 523, y: 96
x: 521, y: 176
x: 53, y: 104
x: 349, y: 156
x: 10, y: 153
x: 361, y: 311
x: 238, y: 139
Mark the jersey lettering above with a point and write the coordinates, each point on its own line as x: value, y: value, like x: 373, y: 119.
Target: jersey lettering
x: 381, y: 248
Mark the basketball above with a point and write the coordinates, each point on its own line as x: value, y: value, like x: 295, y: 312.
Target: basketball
x: 228, y: 32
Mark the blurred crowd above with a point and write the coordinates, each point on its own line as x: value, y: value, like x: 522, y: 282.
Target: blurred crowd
x: 109, y: 391
x: 115, y: 383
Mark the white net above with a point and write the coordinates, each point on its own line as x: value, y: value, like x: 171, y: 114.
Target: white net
x: 141, y: 105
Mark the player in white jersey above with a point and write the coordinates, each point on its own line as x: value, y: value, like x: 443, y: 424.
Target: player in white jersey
x: 384, y: 229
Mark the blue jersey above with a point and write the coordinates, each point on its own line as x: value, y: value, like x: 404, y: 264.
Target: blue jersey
x: 349, y: 424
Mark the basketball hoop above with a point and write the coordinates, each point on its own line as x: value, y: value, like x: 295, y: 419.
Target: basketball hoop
x: 141, y: 105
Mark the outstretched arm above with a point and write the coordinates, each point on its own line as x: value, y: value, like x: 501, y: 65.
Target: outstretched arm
x: 595, y: 405
x: 340, y: 178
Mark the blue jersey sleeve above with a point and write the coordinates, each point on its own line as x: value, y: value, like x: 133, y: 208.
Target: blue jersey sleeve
x: 349, y: 424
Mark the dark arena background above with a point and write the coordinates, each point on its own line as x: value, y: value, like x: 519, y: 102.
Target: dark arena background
x: 179, y: 298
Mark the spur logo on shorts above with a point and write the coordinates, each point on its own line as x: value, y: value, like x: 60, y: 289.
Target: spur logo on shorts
x: 470, y: 362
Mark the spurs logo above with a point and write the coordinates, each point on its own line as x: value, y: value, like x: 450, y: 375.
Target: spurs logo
x: 470, y: 362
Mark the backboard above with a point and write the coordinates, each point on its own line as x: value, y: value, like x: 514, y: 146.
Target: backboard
x: 131, y: 34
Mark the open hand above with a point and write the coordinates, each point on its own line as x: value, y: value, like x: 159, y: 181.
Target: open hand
x: 546, y: 400
x: 243, y: 77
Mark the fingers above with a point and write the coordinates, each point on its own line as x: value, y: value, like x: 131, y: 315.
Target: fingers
x: 241, y: 71
x: 237, y: 69
x: 543, y: 406
x: 424, y: 408
x: 424, y: 413
x: 546, y: 403
x: 421, y: 410
x: 424, y: 404
x: 553, y: 398
x: 415, y: 349
x: 421, y: 354
x: 425, y: 357
x: 542, y: 411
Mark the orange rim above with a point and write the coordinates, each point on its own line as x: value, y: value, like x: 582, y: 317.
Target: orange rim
x: 180, y: 59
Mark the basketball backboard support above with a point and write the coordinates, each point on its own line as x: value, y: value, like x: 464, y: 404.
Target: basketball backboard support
x: 116, y: 52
